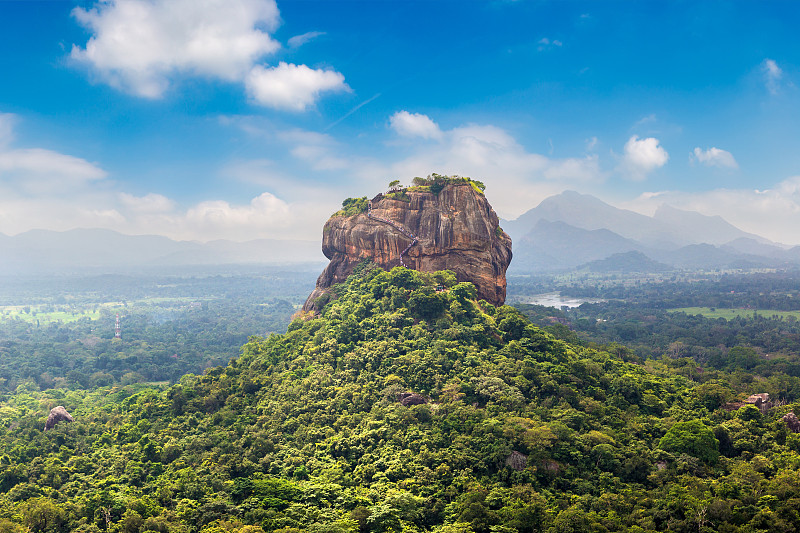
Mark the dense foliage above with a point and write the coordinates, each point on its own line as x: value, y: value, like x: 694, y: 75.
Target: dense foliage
x: 522, y: 432
x: 436, y: 182
x: 170, y: 325
x: 352, y: 206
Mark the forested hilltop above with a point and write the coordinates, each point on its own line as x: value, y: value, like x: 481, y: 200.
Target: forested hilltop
x: 406, y: 406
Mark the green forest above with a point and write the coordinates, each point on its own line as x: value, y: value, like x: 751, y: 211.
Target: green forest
x: 410, y: 406
x: 171, y: 325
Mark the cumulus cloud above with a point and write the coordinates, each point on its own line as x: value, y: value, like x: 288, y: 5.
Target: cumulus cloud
x: 714, y: 157
x: 299, y: 40
x: 149, y: 203
x: 143, y: 46
x: 772, y: 75
x: 520, y: 178
x: 414, y: 125
x: 265, y: 209
x: 140, y: 45
x: 642, y: 156
x: 291, y: 87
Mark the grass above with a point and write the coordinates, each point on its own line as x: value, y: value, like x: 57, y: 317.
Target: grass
x: 46, y: 314
x: 46, y: 317
x: 728, y: 314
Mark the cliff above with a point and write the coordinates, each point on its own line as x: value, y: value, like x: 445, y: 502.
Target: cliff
x: 455, y: 230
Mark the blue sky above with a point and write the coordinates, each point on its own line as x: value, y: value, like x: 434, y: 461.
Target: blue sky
x: 241, y: 119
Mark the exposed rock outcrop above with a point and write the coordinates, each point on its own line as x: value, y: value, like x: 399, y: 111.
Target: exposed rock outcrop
x: 57, y: 414
x: 455, y: 229
x: 517, y: 460
x: 792, y: 422
x: 411, y: 398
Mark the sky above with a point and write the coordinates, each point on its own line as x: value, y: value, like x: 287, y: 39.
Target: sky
x: 245, y: 119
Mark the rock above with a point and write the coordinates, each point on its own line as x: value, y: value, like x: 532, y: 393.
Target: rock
x: 792, y: 422
x: 757, y: 399
x: 57, y: 414
x: 455, y: 229
x: 760, y: 400
x: 410, y: 398
x: 517, y: 461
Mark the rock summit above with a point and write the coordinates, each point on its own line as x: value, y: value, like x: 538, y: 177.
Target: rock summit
x: 446, y: 226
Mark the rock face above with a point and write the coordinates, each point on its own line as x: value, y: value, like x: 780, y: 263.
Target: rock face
x: 57, y: 414
x: 455, y: 230
x: 792, y: 422
x: 517, y: 461
x: 411, y: 398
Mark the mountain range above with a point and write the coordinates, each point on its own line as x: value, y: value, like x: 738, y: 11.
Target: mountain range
x: 47, y: 251
x: 566, y: 231
x: 572, y: 230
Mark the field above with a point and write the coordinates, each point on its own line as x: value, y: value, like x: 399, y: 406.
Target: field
x: 46, y: 315
x: 728, y: 314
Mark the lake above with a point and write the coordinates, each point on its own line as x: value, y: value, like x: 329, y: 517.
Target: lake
x: 554, y: 299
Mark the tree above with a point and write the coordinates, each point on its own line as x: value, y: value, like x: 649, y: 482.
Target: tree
x: 691, y: 437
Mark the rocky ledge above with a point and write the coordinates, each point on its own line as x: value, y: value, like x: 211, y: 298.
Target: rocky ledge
x: 455, y: 230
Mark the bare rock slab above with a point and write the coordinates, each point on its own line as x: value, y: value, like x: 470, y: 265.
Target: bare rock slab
x: 57, y: 414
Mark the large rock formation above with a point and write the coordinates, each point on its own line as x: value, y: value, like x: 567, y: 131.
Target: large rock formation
x: 57, y: 414
x: 455, y: 229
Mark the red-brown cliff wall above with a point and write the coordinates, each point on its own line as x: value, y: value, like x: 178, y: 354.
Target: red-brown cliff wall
x: 456, y: 230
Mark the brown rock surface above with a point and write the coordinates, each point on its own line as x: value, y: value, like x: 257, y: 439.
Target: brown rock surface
x: 411, y: 398
x: 57, y: 414
x: 517, y: 460
x: 792, y: 422
x: 456, y: 230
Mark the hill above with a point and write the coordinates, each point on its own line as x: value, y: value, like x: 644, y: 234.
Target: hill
x: 625, y: 262
x: 407, y: 408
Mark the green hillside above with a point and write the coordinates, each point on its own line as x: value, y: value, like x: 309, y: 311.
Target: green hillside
x: 513, y: 431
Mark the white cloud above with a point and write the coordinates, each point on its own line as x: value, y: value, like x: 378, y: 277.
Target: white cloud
x: 149, y: 203
x: 519, y: 178
x: 642, y: 156
x: 414, y: 125
x: 715, y: 157
x: 41, y: 162
x: 7, y: 121
x: 38, y: 170
x: 264, y: 210
x: 772, y: 75
x: 773, y: 213
x: 291, y: 87
x: 546, y: 43
x: 141, y: 45
x: 299, y: 40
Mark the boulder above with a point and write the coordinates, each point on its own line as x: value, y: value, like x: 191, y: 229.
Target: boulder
x: 455, y: 230
x: 792, y: 422
x: 411, y: 398
x: 517, y: 460
x: 57, y: 414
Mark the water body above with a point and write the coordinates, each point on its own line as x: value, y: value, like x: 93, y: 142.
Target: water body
x: 554, y: 299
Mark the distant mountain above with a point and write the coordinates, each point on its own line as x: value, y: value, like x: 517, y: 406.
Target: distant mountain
x: 45, y: 250
x: 558, y: 245
x: 632, y: 261
x: 706, y: 256
x: 755, y: 247
x: 569, y: 230
x: 702, y: 228
x: 668, y: 228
